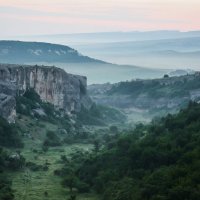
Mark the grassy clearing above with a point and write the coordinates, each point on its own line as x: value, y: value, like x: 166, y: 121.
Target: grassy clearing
x: 29, y: 185
x: 41, y: 185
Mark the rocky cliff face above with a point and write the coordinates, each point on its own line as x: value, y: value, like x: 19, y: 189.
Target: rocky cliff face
x: 65, y: 91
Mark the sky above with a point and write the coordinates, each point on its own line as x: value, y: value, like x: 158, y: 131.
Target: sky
x: 37, y: 17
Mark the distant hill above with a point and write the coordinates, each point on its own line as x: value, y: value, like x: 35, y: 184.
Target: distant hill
x: 142, y: 100
x: 109, y: 37
x: 160, y: 53
x: 180, y: 72
x: 18, y: 52
x: 97, y: 71
x: 161, y: 49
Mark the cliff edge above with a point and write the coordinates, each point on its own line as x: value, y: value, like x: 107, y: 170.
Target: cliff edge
x: 65, y: 91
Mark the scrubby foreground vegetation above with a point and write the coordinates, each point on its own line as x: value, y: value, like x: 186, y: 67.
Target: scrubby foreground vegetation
x: 159, y: 161
x: 47, y: 155
x: 9, y: 161
x: 34, y: 148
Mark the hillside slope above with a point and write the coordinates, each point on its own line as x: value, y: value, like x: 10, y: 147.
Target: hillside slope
x: 166, y: 53
x: 144, y: 99
x: 156, y: 162
x: 18, y: 52
x: 40, y: 53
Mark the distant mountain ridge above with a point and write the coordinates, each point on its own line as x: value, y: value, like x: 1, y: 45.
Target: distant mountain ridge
x: 18, y: 52
x: 158, y: 53
x: 69, y: 59
x: 168, y: 49
x: 108, y: 37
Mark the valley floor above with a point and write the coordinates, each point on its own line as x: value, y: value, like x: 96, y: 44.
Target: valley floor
x: 40, y: 185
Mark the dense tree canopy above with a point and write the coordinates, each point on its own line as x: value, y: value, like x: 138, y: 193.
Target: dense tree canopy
x: 9, y: 136
x: 160, y: 161
x: 6, y: 192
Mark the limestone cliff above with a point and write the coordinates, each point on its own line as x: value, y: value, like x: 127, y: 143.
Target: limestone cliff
x: 65, y: 91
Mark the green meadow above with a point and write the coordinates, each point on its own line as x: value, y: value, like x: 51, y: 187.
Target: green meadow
x: 43, y: 184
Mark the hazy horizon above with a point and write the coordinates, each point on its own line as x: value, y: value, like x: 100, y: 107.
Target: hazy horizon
x: 95, y: 28
x: 43, y: 17
x: 16, y: 36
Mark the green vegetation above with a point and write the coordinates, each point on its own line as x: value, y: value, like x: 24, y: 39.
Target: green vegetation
x: 30, y: 104
x: 85, y: 159
x: 156, y: 161
x: 52, y: 139
x: 49, y: 137
x: 6, y: 193
x: 5, y: 185
x: 33, y: 178
x: 8, y: 163
x: 36, y: 181
x: 100, y: 115
x: 168, y: 87
x: 9, y: 136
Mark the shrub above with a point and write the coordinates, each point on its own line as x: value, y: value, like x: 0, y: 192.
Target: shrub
x: 9, y: 136
x: 52, y: 139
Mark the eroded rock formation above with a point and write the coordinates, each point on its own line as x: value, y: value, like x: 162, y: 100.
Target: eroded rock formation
x: 65, y: 91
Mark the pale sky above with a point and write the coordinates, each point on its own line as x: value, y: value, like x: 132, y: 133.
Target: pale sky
x: 30, y: 17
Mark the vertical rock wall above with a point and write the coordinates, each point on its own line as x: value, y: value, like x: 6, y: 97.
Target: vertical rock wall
x: 54, y: 85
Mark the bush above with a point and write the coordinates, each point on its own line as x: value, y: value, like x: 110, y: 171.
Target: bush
x: 32, y: 95
x: 35, y: 167
x: 82, y: 187
x: 6, y: 192
x: 52, y: 139
x: 9, y: 136
x: 122, y: 190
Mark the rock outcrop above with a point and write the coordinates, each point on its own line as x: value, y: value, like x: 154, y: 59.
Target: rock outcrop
x: 65, y: 91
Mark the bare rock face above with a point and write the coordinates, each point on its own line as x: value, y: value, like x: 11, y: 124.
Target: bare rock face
x: 65, y: 91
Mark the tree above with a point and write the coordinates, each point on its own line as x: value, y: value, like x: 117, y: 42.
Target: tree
x: 96, y: 146
x: 70, y: 182
x: 166, y: 76
x: 9, y: 136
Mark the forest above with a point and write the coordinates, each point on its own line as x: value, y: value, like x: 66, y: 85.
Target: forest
x: 159, y: 161
x: 156, y: 161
